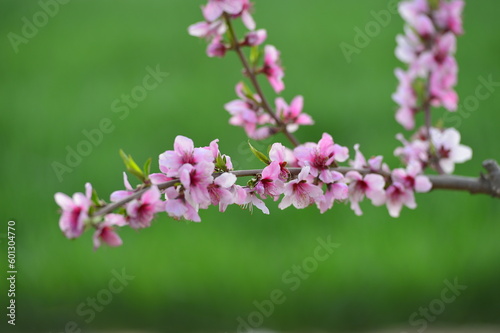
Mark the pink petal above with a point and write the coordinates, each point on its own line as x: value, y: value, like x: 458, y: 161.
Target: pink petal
x: 200, y: 29
x: 277, y: 152
x: 461, y: 154
x: 88, y: 190
x: 422, y: 184
x: 63, y: 201
x: 341, y: 153
x: 183, y: 145
x: 225, y: 180
x: 272, y: 171
x: 120, y: 195
x: 296, y: 106
x: 115, y: 219
x: 175, y: 207
x: 158, y: 178
x: 151, y: 196
x: 212, y: 11
x: 304, y: 173
x: 248, y: 20
x: 232, y: 6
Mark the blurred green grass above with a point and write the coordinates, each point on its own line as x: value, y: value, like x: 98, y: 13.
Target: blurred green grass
x: 203, y: 276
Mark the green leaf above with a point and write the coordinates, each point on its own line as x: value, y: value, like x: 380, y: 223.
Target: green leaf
x: 247, y: 91
x: 254, y: 55
x: 95, y: 197
x: 132, y: 167
x: 220, y: 163
x: 147, y: 167
x: 259, y: 155
x: 434, y: 4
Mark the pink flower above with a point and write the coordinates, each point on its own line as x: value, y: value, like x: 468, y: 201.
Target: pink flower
x: 119, y: 195
x: 195, y: 180
x: 214, y: 149
x: 448, y: 148
x: 142, y: 211
x: 320, y: 157
x: 262, y: 133
x: 246, y: 15
x: 359, y: 161
x: 449, y: 16
x: 398, y: 195
x: 214, y: 9
x: 416, y: 150
x: 411, y: 178
x: 374, y: 163
x: 292, y: 115
x: 282, y: 155
x: 442, y: 81
x: 246, y: 112
x: 178, y: 207
x: 184, y: 153
x: 220, y: 191
x: 424, y: 26
x: 74, y: 211
x: 217, y: 48
x: 412, y: 10
x: 252, y: 200
x: 208, y: 29
x: 272, y: 68
x: 255, y: 38
x: 105, y: 231
x: 406, y: 97
x: 371, y: 186
x: 299, y: 192
x: 335, y: 191
x: 158, y: 178
x: 409, y: 46
x: 269, y: 182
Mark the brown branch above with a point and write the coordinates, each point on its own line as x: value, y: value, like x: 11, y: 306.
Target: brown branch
x: 488, y: 184
x: 485, y: 184
x: 253, y: 78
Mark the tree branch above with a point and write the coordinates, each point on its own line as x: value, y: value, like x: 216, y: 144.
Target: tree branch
x: 253, y: 78
x: 488, y: 183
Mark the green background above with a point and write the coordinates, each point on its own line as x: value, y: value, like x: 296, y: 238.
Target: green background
x: 202, y: 277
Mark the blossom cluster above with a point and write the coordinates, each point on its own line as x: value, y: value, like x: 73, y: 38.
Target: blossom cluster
x: 196, y: 178
x: 444, y: 145
x: 428, y: 47
x: 249, y: 111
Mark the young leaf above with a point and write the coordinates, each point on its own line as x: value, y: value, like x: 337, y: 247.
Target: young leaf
x: 132, y: 167
x: 220, y: 163
x: 259, y: 155
x: 147, y: 167
x: 254, y: 55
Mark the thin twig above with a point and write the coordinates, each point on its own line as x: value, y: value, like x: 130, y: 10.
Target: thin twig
x: 253, y: 78
x: 488, y: 184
